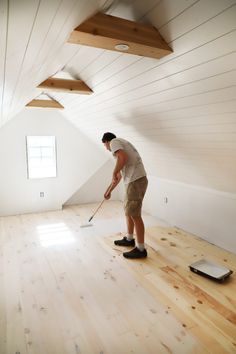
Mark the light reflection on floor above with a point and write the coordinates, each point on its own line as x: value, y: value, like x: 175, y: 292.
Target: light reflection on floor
x: 55, y: 234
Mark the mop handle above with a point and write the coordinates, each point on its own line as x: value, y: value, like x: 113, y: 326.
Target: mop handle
x: 97, y: 209
x: 100, y: 205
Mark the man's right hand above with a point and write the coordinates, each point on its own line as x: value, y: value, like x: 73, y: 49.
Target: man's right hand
x: 107, y: 195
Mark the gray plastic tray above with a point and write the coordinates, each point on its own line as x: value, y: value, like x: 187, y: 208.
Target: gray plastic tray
x: 210, y: 270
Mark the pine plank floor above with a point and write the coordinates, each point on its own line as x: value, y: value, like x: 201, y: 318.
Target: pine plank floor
x: 68, y: 290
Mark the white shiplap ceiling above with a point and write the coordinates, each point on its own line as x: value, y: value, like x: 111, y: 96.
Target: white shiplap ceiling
x: 180, y: 111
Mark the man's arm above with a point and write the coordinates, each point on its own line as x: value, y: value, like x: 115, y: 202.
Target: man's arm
x: 121, y: 160
x: 107, y: 194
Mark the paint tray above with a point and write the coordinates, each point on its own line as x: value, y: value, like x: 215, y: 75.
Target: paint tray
x: 210, y: 270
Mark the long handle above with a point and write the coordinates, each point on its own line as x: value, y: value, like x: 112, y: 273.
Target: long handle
x: 99, y: 206
x: 97, y: 209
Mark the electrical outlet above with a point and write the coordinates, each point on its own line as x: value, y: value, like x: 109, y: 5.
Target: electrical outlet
x: 166, y: 200
x: 41, y: 194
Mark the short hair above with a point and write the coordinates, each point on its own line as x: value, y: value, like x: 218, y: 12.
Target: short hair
x: 108, y: 137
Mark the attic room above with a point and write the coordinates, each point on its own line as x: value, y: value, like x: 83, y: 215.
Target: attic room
x: 160, y: 75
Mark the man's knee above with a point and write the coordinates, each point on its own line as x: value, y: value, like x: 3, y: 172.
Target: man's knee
x: 136, y: 218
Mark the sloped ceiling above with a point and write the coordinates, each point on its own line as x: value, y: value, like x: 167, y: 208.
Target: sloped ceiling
x: 180, y: 111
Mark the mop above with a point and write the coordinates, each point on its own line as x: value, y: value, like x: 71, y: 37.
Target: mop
x: 90, y: 219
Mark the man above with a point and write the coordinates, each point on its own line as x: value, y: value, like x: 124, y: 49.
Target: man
x: 129, y: 166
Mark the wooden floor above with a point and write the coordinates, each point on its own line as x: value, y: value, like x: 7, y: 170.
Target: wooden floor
x: 68, y: 290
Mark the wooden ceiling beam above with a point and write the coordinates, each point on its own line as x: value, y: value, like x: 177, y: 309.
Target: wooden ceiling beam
x: 44, y: 104
x: 105, y: 31
x: 65, y: 85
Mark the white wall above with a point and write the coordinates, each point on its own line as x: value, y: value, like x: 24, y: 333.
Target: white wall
x: 77, y: 159
x: 207, y: 213
x: 93, y: 190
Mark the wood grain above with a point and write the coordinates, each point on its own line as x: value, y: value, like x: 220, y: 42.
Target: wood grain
x: 44, y: 104
x: 105, y: 31
x: 69, y: 290
x: 64, y: 85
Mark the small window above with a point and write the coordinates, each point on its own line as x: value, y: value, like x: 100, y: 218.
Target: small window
x: 41, y: 156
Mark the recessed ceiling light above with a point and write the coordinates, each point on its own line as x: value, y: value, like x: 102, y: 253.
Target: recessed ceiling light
x: 122, y: 47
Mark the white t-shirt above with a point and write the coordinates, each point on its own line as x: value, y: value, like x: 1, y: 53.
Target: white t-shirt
x: 133, y: 168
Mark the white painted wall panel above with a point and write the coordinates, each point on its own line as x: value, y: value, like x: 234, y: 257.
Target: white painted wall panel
x: 85, y: 56
x: 3, y: 46
x: 18, y: 194
x: 221, y: 24
x: 166, y: 11
x: 20, y: 22
x: 94, y: 188
x: 203, y: 98
x: 47, y: 14
x: 195, y: 16
x: 201, y: 211
x: 170, y: 90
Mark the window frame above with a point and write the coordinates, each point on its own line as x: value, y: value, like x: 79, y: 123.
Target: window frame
x: 29, y: 175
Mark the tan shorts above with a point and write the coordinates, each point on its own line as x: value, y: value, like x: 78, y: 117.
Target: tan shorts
x: 135, y: 192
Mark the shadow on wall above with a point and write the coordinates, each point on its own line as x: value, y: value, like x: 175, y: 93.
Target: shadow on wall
x: 133, y: 10
x: 181, y: 148
x: 156, y: 15
x: 153, y: 129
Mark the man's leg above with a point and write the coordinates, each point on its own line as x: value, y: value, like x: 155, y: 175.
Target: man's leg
x: 139, y: 251
x: 127, y: 240
x: 134, y: 209
x: 130, y: 225
x: 135, y: 192
x: 139, y: 228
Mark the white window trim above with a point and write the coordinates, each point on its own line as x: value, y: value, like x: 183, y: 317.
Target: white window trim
x: 29, y: 175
